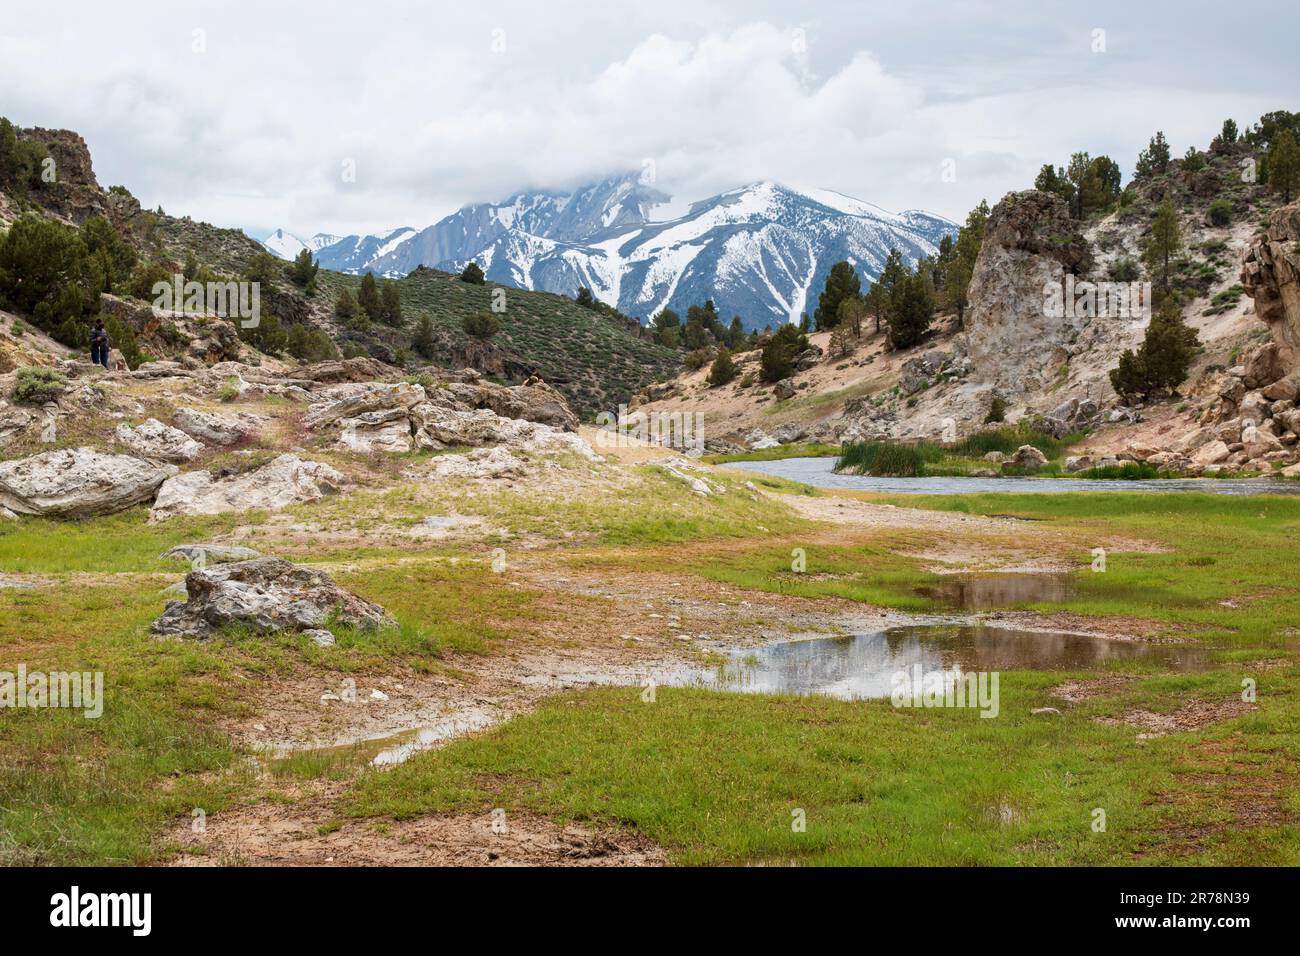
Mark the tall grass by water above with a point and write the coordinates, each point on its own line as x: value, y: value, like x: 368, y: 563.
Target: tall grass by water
x: 916, y: 459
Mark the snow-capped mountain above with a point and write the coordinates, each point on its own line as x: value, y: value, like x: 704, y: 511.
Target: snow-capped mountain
x: 287, y: 246
x: 362, y: 253
x: 761, y: 252
x: 617, y: 201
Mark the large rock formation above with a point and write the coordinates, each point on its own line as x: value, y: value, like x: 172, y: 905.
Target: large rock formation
x: 1270, y: 274
x: 401, y: 416
x: 1029, y: 243
x: 265, y: 595
x: 73, y: 193
x: 219, y: 428
x: 534, y: 401
x: 153, y: 439
x: 78, y: 483
x: 286, y: 480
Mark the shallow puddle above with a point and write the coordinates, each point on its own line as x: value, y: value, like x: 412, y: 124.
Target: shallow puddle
x: 862, y: 667
x: 982, y: 592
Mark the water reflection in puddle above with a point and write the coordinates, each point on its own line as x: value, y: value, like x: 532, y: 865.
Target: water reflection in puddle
x: 862, y: 667
x: 980, y: 592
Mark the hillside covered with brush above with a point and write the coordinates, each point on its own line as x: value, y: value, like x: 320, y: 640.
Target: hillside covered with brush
x: 72, y: 251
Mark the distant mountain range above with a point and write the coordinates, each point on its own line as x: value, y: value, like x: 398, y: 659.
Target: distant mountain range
x: 761, y: 252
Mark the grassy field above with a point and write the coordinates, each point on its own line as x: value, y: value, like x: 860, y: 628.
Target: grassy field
x: 716, y: 777
x: 720, y: 778
x: 1220, y: 575
x: 713, y: 777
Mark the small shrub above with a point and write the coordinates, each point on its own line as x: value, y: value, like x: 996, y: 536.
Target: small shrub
x: 1125, y: 269
x: 1220, y: 212
x: 480, y: 325
x: 36, y: 385
x: 229, y: 390
x: 425, y: 381
x: 698, y: 358
x: 997, y: 410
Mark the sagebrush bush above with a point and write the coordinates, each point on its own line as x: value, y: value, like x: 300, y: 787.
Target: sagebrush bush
x: 1221, y: 212
x: 36, y: 385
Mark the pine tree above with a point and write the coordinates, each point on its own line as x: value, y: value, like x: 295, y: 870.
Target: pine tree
x: 841, y: 283
x: 777, y: 359
x: 423, y: 342
x: 303, y: 271
x: 667, y: 328
x: 840, y: 343
x: 1164, y: 243
x: 735, y: 334
x: 1154, y: 159
x: 111, y: 257
x: 472, y: 274
x: 910, y: 312
x: 1163, y: 359
x: 345, y: 307
x: 852, y: 311
x: 264, y: 269
x: 1284, y: 165
x: 1101, y: 186
x: 1052, y: 179
x: 957, y: 276
x: 368, y: 298
x: 723, y: 370
x: 390, y: 305
x: 47, y: 273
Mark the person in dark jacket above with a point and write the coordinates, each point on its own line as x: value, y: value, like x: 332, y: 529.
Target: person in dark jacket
x: 99, y: 344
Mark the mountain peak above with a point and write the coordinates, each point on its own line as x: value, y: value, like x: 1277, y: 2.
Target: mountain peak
x: 759, y: 251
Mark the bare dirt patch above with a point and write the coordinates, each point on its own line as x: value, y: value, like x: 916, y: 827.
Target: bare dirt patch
x: 1194, y: 714
x: 1077, y: 691
x: 308, y: 832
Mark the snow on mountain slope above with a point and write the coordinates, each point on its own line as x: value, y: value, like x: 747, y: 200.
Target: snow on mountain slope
x: 359, y: 253
x: 283, y: 244
x: 761, y: 251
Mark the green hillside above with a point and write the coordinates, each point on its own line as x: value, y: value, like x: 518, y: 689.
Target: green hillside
x: 595, y: 360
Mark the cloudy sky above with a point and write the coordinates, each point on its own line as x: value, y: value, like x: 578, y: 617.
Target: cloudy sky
x: 248, y: 114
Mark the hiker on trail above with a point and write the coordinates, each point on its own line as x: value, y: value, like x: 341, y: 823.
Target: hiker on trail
x: 99, y: 344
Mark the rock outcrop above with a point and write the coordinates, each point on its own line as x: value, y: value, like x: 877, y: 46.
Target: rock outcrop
x: 218, y: 428
x: 286, y: 480
x: 265, y: 595
x: 153, y: 439
x: 1029, y: 243
x: 78, y: 483
x: 480, y: 463
x: 204, y: 554
x: 402, y: 416
x: 1270, y: 274
x: 533, y: 401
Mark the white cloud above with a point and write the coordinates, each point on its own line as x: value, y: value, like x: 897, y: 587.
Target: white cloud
x: 253, y: 131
